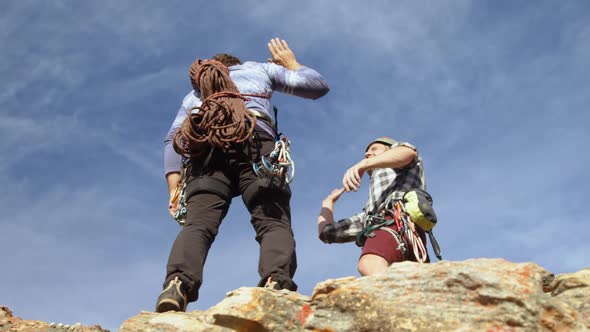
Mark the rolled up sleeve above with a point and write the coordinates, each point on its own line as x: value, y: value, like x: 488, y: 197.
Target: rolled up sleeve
x: 343, y: 231
x: 303, y: 82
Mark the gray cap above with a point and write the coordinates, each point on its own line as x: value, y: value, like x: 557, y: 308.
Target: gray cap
x: 383, y: 140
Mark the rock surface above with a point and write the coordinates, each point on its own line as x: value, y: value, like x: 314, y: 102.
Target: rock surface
x: 8, y: 322
x: 473, y: 295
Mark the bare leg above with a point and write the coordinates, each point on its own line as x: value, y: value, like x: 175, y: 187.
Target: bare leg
x: 370, y: 264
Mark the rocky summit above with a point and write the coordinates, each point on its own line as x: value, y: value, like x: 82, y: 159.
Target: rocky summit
x: 472, y: 295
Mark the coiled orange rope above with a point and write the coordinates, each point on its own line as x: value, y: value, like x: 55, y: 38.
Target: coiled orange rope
x: 412, y: 236
x: 223, y: 119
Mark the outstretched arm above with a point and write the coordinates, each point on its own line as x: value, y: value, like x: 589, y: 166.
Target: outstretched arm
x: 344, y: 230
x: 327, y: 213
x: 289, y: 76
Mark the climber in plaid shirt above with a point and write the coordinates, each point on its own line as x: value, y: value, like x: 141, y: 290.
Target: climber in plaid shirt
x: 394, y: 168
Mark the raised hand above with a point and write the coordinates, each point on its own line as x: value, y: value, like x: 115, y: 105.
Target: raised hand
x: 352, y: 178
x: 282, y: 54
x: 332, y: 198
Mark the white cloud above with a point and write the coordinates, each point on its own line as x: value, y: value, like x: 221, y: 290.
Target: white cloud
x: 21, y: 137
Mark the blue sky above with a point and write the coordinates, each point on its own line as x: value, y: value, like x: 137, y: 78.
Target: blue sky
x: 493, y: 93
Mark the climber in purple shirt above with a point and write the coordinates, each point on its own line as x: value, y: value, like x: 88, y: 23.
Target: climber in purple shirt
x: 214, y: 181
x: 283, y: 74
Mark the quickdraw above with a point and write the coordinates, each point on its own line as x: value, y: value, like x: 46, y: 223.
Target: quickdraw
x: 278, y: 163
x: 179, y: 197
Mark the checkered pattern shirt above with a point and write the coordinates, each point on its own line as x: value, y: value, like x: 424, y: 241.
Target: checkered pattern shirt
x: 384, y: 182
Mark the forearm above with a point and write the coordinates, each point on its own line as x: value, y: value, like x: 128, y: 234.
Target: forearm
x: 303, y: 82
x: 307, y: 83
x: 172, y: 179
x: 397, y: 157
x: 342, y: 231
x: 293, y: 65
x: 326, y: 217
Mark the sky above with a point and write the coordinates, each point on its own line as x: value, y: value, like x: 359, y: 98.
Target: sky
x: 494, y: 94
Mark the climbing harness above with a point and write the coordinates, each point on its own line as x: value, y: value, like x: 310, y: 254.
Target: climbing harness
x: 180, y: 193
x: 395, y: 220
x: 278, y: 162
x: 221, y: 122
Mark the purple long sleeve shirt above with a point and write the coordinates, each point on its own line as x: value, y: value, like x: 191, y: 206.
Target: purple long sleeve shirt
x: 251, y: 78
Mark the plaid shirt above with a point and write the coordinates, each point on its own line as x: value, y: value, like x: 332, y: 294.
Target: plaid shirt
x: 384, y: 182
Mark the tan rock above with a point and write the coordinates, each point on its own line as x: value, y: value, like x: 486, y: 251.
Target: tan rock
x: 573, y: 289
x: 473, y: 295
x: 8, y: 322
x: 169, y: 321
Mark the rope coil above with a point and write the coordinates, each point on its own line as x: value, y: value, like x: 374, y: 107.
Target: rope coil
x: 415, y: 242
x: 222, y: 119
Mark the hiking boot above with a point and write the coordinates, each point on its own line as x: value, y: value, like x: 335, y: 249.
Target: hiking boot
x: 278, y: 282
x: 172, y: 298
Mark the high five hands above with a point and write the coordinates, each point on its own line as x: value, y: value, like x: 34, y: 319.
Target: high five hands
x: 282, y: 54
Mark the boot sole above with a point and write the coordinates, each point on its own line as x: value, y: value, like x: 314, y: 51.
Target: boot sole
x: 168, y: 305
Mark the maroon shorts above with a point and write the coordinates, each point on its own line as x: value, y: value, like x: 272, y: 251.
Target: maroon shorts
x: 385, y: 245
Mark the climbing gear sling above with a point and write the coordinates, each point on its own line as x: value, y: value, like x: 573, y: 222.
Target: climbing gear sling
x: 278, y: 162
x: 179, y: 196
x: 395, y: 218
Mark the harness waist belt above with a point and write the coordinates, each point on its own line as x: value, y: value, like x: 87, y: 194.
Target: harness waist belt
x: 261, y: 115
